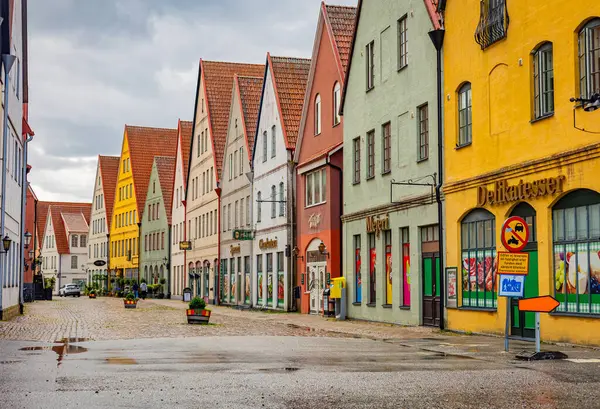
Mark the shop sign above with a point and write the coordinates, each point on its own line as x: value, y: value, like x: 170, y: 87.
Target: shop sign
x: 504, y: 193
x: 314, y: 220
x: 235, y: 249
x: 185, y: 245
x: 378, y: 224
x: 513, y: 263
x: 267, y: 244
x: 242, y: 234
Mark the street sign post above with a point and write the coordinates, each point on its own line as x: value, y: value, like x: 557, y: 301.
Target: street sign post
x: 511, y: 286
x: 515, y: 234
x: 544, y: 303
x: 513, y: 263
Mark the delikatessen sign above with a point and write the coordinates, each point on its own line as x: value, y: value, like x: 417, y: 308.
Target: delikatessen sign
x: 505, y: 193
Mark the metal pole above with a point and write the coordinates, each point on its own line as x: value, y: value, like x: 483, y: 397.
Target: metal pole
x: 507, y: 325
x: 537, y: 332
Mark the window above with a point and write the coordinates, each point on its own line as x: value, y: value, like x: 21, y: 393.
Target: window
x: 281, y: 200
x: 576, y: 245
x: 315, y: 187
x: 405, y: 257
x: 73, y: 262
x: 493, y: 23
x: 543, y: 81
x: 402, y: 46
x: 248, y: 210
x: 478, y: 273
x: 241, y: 161
x: 229, y: 216
x: 235, y: 164
x: 204, y: 180
x: 387, y: 248
x: 465, y: 115
x: 273, y: 142
x: 370, y: 154
x: 242, y: 210
x: 200, y: 144
x: 265, y: 142
x: 317, y: 114
x: 370, y: 65
x: 206, y: 140
x: 211, y: 177
x: 386, y: 142
x: 273, y: 204
x: 423, y: 132
x: 224, y: 226
x: 372, y: 269
x: 258, y: 207
x: 83, y: 241
x: 337, y: 99
x: 215, y: 221
x: 356, y: 154
x: 357, y: 270
x: 74, y: 240
x: 589, y: 59
x: 235, y: 215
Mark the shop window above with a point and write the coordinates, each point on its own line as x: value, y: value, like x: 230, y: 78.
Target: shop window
x: 589, y: 59
x: 576, y: 247
x: 357, y: 270
x: 372, y: 269
x: 543, y: 81
x: 478, y: 273
x: 387, y: 247
x: 259, y: 278
x: 405, y: 256
x: 465, y: 115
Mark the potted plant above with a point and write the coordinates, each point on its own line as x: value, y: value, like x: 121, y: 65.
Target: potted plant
x: 92, y: 293
x: 48, y: 287
x: 162, y: 282
x: 197, y: 312
x: 130, y: 301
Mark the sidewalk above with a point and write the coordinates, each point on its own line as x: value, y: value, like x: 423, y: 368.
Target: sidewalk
x: 425, y: 338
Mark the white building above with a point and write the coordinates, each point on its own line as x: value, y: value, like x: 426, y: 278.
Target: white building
x: 102, y: 206
x: 14, y: 41
x: 236, y: 192
x: 64, y: 248
x: 211, y: 115
x: 274, y: 181
x: 178, y: 256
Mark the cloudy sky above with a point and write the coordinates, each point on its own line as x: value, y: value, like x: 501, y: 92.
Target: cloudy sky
x: 98, y: 64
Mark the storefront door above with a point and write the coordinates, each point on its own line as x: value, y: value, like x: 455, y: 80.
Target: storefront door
x: 431, y: 289
x: 523, y: 323
x: 316, y: 283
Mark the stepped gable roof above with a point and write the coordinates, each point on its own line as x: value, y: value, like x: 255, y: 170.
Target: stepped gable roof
x: 144, y: 144
x: 250, y: 89
x: 56, y: 210
x: 290, y: 76
x: 166, y: 174
x: 185, y: 139
x: 218, y: 77
x: 341, y: 20
x: 109, y: 172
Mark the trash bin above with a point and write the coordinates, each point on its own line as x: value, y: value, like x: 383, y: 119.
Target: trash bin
x: 187, y: 294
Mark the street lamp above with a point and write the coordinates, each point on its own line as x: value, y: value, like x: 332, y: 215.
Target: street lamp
x: 589, y: 104
x: 27, y: 238
x: 6, y: 243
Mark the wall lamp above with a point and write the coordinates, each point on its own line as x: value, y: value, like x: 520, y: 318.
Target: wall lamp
x: 589, y: 104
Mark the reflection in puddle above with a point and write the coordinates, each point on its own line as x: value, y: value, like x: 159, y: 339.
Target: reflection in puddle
x: 121, y: 361
x: 62, y: 349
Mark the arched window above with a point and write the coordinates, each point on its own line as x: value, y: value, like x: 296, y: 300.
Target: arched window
x: 337, y: 98
x: 281, y: 200
x: 273, y: 199
x: 543, y: 81
x: 576, y: 243
x: 588, y: 56
x: 318, y: 114
x: 74, y: 240
x: 465, y: 115
x: 258, y: 207
x: 478, y: 256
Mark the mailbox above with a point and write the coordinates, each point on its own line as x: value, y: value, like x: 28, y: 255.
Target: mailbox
x: 336, y: 287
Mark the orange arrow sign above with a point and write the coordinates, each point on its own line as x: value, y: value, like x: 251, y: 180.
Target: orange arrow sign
x: 544, y: 303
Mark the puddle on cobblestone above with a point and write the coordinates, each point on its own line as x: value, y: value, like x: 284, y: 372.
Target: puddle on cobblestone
x: 72, y: 340
x: 120, y: 361
x: 61, y: 350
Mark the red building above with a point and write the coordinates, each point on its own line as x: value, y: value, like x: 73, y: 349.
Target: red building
x: 34, y: 245
x: 319, y: 159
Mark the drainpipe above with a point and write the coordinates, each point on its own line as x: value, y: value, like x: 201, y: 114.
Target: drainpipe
x: 24, y: 185
x: 168, y: 266
x: 217, y: 264
x: 437, y: 38
x: 186, y: 272
x: 341, y: 198
x: 291, y: 278
x: 7, y: 61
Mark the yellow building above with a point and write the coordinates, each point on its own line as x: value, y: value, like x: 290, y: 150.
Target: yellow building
x: 516, y: 145
x: 140, y: 146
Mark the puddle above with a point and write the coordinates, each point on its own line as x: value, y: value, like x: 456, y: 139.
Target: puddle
x: 280, y: 370
x: 120, y: 361
x: 72, y: 340
x: 62, y: 349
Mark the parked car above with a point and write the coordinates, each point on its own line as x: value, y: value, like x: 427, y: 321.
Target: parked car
x: 69, y: 290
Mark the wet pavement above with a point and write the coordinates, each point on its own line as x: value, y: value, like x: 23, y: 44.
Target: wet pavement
x: 69, y: 353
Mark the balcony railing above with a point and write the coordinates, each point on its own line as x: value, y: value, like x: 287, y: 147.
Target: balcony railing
x: 493, y: 22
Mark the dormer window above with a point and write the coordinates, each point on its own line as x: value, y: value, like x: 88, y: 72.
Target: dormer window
x: 74, y: 240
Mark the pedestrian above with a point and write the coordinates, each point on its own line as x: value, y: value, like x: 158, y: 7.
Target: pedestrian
x: 144, y: 289
x: 135, y: 289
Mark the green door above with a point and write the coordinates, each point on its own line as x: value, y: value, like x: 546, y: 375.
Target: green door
x: 431, y: 289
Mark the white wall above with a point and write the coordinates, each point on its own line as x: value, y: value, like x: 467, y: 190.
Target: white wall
x: 97, y: 241
x: 178, y: 270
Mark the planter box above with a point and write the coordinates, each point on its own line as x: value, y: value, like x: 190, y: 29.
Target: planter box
x: 48, y: 294
x: 129, y: 304
x: 92, y: 295
x: 198, y: 316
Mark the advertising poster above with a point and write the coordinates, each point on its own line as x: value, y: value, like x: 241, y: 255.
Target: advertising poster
x: 280, y: 289
x: 388, y: 274
x: 233, y: 287
x: 406, y: 274
x: 247, y: 289
x: 451, y: 290
x: 260, y: 287
x: 270, y: 289
x: 373, y: 274
x: 577, y: 277
x: 226, y: 288
x: 358, y: 276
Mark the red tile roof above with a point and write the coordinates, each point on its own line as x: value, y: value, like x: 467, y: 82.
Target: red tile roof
x: 185, y: 139
x: 290, y: 76
x: 250, y: 89
x: 341, y: 20
x: 56, y: 211
x: 166, y: 173
x: 218, y: 80
x: 75, y: 222
x: 42, y: 215
x: 109, y: 172
x: 144, y: 145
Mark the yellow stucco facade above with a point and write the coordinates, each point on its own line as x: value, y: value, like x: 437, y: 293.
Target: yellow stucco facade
x: 522, y: 155
x: 124, y: 232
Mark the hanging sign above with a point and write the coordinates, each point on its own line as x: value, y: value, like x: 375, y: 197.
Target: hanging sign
x: 515, y: 234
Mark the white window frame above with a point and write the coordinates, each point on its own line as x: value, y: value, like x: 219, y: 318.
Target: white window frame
x: 316, y: 178
x: 318, y: 114
x: 337, y: 98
